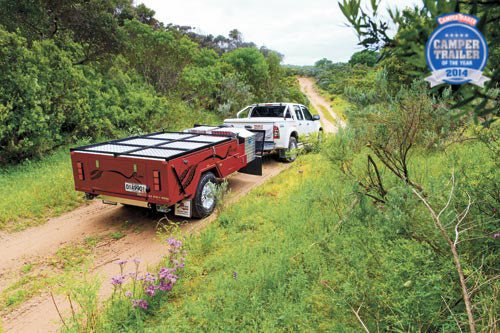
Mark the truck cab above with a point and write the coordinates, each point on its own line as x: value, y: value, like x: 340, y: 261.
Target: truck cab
x: 283, y: 124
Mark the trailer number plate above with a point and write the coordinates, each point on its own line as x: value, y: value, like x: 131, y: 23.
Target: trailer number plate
x: 137, y: 188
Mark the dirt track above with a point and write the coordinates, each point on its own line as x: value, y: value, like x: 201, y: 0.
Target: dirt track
x: 33, y: 245
x: 307, y: 86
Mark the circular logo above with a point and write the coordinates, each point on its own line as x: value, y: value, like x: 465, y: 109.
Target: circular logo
x: 456, y: 51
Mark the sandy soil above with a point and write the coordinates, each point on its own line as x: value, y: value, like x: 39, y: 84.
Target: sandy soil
x: 308, y: 88
x: 36, y: 244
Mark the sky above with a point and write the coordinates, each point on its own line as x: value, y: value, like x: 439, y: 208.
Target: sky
x: 304, y: 31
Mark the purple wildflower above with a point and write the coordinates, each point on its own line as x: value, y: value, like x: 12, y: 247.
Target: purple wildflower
x: 172, y: 278
x: 165, y: 271
x: 148, y: 277
x: 128, y: 294
x: 179, y: 263
x: 117, y: 280
x: 165, y: 286
x: 235, y: 275
x: 150, y: 290
x: 142, y: 303
x: 174, y: 243
x: 122, y: 265
x: 496, y: 235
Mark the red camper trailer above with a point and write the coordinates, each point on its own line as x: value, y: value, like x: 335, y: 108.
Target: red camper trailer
x: 167, y: 169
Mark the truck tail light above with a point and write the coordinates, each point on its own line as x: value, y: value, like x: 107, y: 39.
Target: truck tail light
x: 156, y: 180
x: 79, y: 166
x: 276, y: 132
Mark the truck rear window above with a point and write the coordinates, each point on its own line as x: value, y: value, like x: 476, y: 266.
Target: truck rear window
x: 268, y: 111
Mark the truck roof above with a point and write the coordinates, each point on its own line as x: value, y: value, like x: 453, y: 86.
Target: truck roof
x: 274, y: 104
x: 159, y: 145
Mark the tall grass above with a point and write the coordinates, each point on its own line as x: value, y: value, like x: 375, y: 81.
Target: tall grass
x: 35, y: 190
x: 307, y: 252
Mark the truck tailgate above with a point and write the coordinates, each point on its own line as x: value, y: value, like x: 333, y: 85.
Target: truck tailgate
x: 255, y: 124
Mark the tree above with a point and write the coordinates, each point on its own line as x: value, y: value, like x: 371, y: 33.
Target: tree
x: 159, y: 55
x: 94, y: 23
x: 365, y: 57
x: 414, y: 26
x: 323, y: 63
x: 252, y: 65
x: 235, y: 37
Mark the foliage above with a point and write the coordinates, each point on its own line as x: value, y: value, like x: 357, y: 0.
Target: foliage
x: 365, y: 57
x: 378, y: 153
x: 38, y: 189
x: 46, y: 101
x: 306, y: 258
x: 76, y: 69
x: 414, y: 26
x: 252, y: 65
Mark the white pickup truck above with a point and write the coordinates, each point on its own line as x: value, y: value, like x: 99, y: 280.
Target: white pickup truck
x: 283, y: 123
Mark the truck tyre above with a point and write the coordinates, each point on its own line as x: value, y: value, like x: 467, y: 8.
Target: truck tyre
x: 321, y: 135
x: 288, y: 156
x: 204, y: 200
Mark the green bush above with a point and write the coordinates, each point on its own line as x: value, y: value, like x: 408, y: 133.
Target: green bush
x: 46, y: 101
x: 306, y: 258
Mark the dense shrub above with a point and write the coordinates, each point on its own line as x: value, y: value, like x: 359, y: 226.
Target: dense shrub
x: 124, y: 73
x: 47, y: 101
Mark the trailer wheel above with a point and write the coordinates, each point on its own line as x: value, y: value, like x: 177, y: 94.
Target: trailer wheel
x: 290, y: 154
x: 204, y: 199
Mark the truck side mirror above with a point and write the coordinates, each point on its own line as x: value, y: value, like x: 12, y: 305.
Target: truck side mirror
x: 316, y: 117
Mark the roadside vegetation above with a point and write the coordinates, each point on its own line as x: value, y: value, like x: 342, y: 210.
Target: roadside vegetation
x: 390, y: 226
x: 37, y: 189
x: 309, y: 251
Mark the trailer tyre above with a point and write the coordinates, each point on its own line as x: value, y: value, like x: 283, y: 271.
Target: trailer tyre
x: 205, y: 200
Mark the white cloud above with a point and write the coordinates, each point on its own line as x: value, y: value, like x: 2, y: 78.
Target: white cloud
x: 304, y: 31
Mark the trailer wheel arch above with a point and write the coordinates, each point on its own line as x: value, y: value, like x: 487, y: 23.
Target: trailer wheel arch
x: 213, y: 170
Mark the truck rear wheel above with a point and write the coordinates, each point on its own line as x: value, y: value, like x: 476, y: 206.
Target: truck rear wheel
x: 204, y: 200
x: 290, y: 154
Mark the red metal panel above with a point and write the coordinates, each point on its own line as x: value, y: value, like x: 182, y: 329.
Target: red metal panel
x: 167, y: 182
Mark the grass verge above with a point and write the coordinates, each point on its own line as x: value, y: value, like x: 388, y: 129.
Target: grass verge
x: 37, y: 190
x: 337, y: 103
x: 307, y: 252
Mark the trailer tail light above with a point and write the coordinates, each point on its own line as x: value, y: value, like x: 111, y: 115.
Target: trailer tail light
x: 79, y: 166
x: 156, y: 180
x: 276, y: 132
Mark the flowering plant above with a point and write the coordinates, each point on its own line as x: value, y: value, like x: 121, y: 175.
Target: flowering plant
x: 144, y: 287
